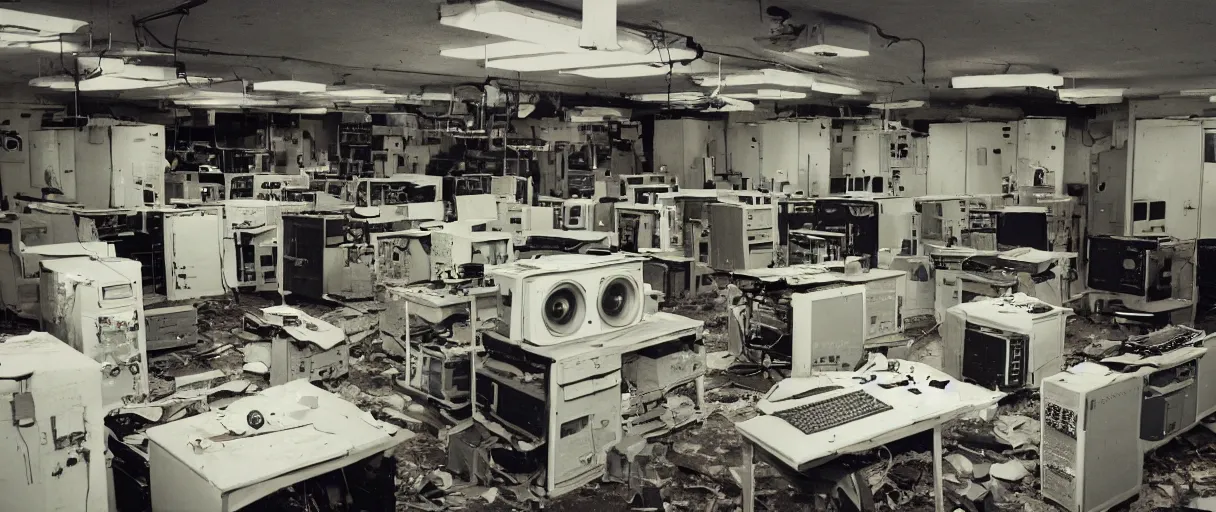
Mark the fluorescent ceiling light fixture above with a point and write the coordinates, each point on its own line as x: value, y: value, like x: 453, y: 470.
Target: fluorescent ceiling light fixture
x: 288, y: 86
x: 582, y: 60
x: 505, y: 49
x: 106, y: 83
x: 835, y: 89
x: 17, y: 22
x: 629, y: 71
x: 896, y: 105
x: 776, y: 77
x: 320, y: 110
x: 1098, y: 100
x: 767, y: 94
x: 54, y: 46
x: 233, y: 103
x: 1198, y: 92
x: 510, y: 21
x: 1072, y: 94
x: 364, y: 92
x: 675, y: 97
x: 1042, y: 80
x: 386, y: 100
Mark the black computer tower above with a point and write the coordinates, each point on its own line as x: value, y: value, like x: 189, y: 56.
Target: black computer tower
x: 995, y: 359
x: 857, y: 219
x: 1129, y: 265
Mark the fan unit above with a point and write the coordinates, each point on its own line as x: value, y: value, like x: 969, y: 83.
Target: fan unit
x: 565, y: 298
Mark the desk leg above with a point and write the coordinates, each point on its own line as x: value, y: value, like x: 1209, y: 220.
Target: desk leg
x: 749, y: 477
x: 938, y: 496
x: 700, y: 383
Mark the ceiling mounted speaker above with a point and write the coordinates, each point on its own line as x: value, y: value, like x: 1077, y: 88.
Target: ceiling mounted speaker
x: 564, y: 309
x: 620, y: 301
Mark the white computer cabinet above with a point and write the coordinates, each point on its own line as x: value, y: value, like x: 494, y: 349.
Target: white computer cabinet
x: 978, y: 157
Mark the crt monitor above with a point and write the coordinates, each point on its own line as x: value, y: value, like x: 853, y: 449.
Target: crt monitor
x: 1022, y: 229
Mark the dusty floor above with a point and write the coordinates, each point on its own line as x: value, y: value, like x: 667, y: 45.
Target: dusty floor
x: 695, y: 473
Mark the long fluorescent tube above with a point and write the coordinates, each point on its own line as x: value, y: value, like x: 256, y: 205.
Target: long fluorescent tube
x: 363, y: 92
x: 511, y: 21
x: 17, y: 22
x: 640, y: 70
x: 584, y: 60
x: 675, y: 97
x: 503, y: 50
x: 896, y: 105
x: 835, y: 89
x: 52, y: 46
x: 776, y: 77
x: 234, y: 103
x: 767, y: 94
x: 1043, y: 80
x: 762, y: 77
x: 1198, y: 92
x: 628, y: 71
x: 288, y: 86
x: 103, y: 83
x: 1099, y: 100
x: 321, y: 110
x: 1072, y: 94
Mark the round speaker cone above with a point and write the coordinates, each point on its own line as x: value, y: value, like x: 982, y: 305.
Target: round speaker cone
x: 618, y: 301
x: 560, y: 307
x: 563, y: 310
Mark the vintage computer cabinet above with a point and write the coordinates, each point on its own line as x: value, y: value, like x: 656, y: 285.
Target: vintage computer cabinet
x: 50, y: 392
x: 829, y: 330
x: 450, y: 250
x: 251, y: 248
x: 181, y: 253
x: 403, y: 257
x: 575, y: 414
x: 1089, y: 448
x: 120, y: 165
x: 317, y: 260
x: 742, y: 236
x: 19, y: 260
x: 52, y: 157
x: 647, y: 227
x: 1004, y: 342
x: 96, y: 306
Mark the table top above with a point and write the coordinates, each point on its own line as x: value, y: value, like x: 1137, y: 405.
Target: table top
x: 296, y: 435
x: 910, y: 413
x: 654, y: 330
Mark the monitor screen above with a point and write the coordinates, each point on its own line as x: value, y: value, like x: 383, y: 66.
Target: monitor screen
x: 1022, y: 229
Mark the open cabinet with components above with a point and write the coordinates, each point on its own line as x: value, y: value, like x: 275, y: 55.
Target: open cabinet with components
x: 95, y: 305
x: 51, y: 416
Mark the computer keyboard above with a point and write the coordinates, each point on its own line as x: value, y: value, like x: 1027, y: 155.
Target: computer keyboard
x: 833, y: 412
x: 1161, y: 341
